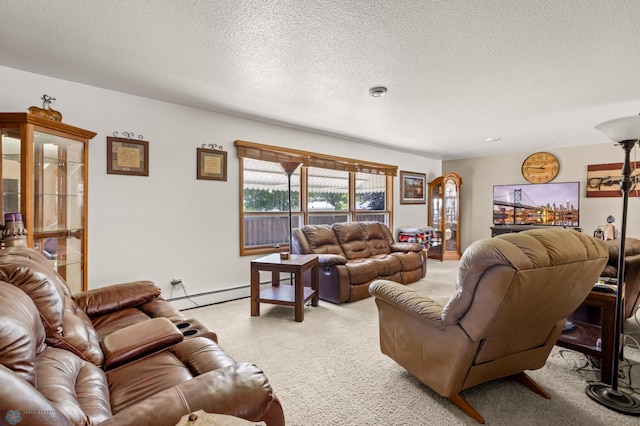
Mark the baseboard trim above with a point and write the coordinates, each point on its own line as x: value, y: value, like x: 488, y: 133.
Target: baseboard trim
x: 198, y: 300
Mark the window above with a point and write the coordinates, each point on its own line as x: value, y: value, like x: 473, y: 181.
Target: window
x: 328, y: 196
x: 371, y: 197
x: 324, y: 190
x: 265, y: 204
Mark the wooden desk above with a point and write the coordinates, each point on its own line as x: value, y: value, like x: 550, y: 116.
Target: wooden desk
x: 590, y: 327
x: 296, y: 295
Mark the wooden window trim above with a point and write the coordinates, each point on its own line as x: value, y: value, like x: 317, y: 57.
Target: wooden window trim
x: 277, y: 154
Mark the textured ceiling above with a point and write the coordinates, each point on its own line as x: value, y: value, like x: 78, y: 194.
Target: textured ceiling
x: 537, y: 74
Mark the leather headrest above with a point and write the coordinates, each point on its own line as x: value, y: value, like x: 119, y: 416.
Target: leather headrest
x: 22, y: 334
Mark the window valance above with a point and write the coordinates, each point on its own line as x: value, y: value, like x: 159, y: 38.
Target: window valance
x: 278, y: 154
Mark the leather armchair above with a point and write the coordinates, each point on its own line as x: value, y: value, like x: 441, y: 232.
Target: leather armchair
x: 631, y: 272
x: 112, y: 355
x: 513, y: 295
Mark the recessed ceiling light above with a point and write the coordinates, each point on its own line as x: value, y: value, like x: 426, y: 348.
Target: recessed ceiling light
x: 378, y: 92
x: 493, y: 140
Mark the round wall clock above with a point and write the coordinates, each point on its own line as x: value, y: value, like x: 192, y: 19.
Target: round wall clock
x: 540, y: 167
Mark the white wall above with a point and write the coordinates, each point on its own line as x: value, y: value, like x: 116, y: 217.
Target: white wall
x: 480, y: 174
x: 171, y: 225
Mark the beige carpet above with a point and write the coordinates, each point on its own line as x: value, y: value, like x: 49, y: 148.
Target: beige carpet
x: 328, y: 370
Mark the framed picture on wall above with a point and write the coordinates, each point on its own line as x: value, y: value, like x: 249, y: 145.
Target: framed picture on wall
x: 413, y: 188
x: 212, y: 164
x: 127, y: 156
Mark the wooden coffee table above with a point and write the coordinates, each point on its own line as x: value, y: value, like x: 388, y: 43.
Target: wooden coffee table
x: 594, y: 320
x: 296, y: 295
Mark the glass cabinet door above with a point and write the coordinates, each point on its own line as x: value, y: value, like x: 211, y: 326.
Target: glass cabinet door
x: 444, y: 217
x: 435, y: 219
x: 44, y: 172
x: 59, y: 204
x: 451, y: 215
x: 10, y: 171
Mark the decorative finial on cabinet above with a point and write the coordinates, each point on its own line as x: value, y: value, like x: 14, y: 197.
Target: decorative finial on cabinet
x: 46, y: 111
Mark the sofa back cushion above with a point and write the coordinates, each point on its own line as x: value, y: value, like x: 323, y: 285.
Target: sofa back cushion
x: 21, y: 332
x: 318, y: 239
x: 352, y: 240
x: 39, y: 258
x: 77, y: 388
x: 33, y: 278
x: 65, y: 326
x: 377, y: 236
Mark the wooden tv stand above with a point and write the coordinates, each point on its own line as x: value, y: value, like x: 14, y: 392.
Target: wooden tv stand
x: 507, y: 229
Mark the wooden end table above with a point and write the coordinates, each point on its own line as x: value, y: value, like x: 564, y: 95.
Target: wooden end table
x: 584, y: 338
x: 296, y: 295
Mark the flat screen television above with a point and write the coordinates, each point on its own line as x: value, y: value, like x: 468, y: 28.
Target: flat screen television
x: 553, y: 204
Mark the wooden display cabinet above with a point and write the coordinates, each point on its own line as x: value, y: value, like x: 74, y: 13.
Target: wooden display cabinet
x: 44, y: 176
x: 444, y: 217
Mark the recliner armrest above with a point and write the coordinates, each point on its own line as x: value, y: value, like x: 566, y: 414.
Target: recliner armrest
x: 407, y: 299
x: 331, y: 259
x: 239, y: 390
x: 115, y: 297
x: 406, y: 247
x: 139, y: 340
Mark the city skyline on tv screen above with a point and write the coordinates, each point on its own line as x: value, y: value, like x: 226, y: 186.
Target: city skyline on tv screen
x: 553, y: 204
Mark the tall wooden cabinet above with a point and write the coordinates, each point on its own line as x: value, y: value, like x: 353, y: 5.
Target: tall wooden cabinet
x: 444, y: 217
x: 44, y: 176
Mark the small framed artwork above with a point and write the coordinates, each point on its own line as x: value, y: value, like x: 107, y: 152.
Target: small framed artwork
x: 212, y: 164
x: 413, y: 188
x: 127, y: 156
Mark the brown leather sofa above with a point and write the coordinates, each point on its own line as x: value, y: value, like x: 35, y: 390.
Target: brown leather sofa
x: 513, y: 295
x: 113, y: 355
x: 631, y: 272
x: 353, y: 254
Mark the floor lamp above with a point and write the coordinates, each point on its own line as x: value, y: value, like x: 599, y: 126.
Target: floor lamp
x: 624, y: 131
x: 289, y: 168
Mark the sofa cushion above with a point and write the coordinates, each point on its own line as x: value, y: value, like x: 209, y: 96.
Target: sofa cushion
x: 387, y: 265
x: 16, y: 392
x: 322, y: 239
x: 33, y: 279
x: 36, y: 256
x: 138, y: 380
x: 65, y: 326
x: 76, y: 387
x: 375, y: 237
x: 409, y: 261
x: 362, y: 271
x: 78, y: 334
x: 352, y: 240
x: 21, y: 333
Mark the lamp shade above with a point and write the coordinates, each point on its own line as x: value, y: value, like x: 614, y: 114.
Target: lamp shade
x: 289, y: 167
x: 621, y: 129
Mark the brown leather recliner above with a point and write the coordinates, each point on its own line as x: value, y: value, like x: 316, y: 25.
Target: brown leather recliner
x: 631, y: 272
x: 114, y: 355
x: 514, y: 293
x: 353, y: 254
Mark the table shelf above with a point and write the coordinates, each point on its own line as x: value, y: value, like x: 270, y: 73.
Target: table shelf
x: 284, y: 295
x: 594, y: 320
x: 288, y: 295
